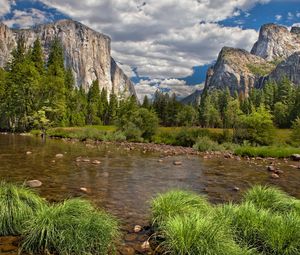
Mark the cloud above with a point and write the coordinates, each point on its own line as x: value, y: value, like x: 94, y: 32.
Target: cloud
x: 5, y: 6
x: 28, y: 18
x: 163, y: 39
x: 170, y: 86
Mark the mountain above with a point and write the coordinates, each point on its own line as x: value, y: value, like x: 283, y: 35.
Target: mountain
x: 194, y: 98
x: 275, y: 55
x: 86, y: 52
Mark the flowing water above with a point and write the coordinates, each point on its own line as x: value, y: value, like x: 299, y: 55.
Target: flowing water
x: 125, y: 180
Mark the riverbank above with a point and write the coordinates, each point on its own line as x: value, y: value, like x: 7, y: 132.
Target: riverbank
x: 179, y: 140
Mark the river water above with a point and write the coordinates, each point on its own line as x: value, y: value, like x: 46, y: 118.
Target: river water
x: 125, y: 181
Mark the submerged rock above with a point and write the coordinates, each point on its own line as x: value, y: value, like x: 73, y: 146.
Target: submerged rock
x: 137, y: 228
x: 295, y: 157
x: 177, y: 163
x: 96, y: 162
x: 275, y: 176
x: 34, y: 183
x: 59, y: 155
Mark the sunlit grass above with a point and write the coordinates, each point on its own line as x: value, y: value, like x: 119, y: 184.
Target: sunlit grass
x: 72, y: 227
x: 266, y: 151
x: 175, y: 203
x: 17, y: 206
x: 266, y: 222
x: 272, y: 198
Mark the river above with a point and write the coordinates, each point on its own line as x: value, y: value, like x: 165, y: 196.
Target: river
x: 125, y: 181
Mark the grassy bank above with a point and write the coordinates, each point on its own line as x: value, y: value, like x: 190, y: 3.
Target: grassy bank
x: 200, y: 138
x: 266, y: 151
x: 266, y: 222
x: 71, y: 227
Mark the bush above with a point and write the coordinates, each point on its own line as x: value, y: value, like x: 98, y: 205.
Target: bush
x: 295, y: 136
x: 194, y: 234
x: 17, y: 206
x: 206, y: 144
x: 175, y: 203
x: 272, y: 198
x: 72, y: 227
x: 257, y: 128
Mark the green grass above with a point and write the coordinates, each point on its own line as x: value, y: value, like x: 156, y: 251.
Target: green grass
x: 176, y: 202
x: 266, y: 151
x: 194, y: 234
x: 72, y: 227
x: 272, y: 198
x: 17, y: 206
x: 266, y: 222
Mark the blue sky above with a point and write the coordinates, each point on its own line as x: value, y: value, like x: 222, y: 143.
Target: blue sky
x: 166, y: 44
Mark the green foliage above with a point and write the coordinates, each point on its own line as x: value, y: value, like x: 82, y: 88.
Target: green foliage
x: 72, y: 227
x: 272, y: 198
x: 257, y: 127
x: 295, y: 136
x: 261, y: 69
x: 194, y: 234
x: 141, y: 123
x: 206, y: 144
x: 187, y: 116
x: 267, y: 220
x: 176, y: 202
x: 266, y: 151
x: 17, y: 206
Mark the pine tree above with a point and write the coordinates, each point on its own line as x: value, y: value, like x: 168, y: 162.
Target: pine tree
x: 37, y: 56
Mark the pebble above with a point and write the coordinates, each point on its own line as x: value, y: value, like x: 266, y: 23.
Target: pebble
x: 83, y: 189
x: 271, y: 168
x: 177, y: 163
x: 275, y: 176
x: 137, y: 228
x: 34, y: 183
x: 59, y: 155
x: 236, y: 189
x: 96, y: 162
x: 145, y: 245
x: 28, y: 153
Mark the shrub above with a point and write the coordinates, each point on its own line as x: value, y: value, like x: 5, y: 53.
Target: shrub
x: 175, y: 203
x: 295, y: 136
x: 188, y: 137
x: 272, y: 198
x: 17, y: 206
x: 258, y: 128
x: 72, y: 227
x: 194, y: 234
x: 206, y: 144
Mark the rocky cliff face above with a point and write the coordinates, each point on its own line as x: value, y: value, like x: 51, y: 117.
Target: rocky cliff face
x: 276, y: 42
x: 289, y: 68
x: 86, y: 51
x: 240, y: 70
x: 235, y: 69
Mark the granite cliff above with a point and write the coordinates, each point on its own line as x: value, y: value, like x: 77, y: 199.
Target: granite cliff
x: 86, y: 52
x: 276, y: 54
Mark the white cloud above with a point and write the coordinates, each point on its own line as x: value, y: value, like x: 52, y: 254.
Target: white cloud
x: 5, y: 6
x: 163, y: 38
x: 278, y: 17
x: 28, y: 18
x: 170, y: 86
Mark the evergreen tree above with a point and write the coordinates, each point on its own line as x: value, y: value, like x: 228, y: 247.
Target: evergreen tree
x: 93, y: 99
x: 37, y: 56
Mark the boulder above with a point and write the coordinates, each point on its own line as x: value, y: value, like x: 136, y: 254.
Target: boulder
x: 295, y: 157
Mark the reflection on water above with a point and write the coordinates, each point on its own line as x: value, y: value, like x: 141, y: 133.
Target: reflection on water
x: 125, y: 181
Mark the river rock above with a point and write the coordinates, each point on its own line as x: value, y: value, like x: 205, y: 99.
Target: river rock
x: 126, y: 250
x: 278, y: 171
x: 228, y: 155
x: 271, y: 168
x: 59, y: 155
x: 86, y: 160
x: 137, y: 228
x: 275, y: 176
x: 96, y: 162
x: 28, y: 152
x: 34, y: 183
x: 295, y: 157
x: 177, y: 163
x: 83, y: 189
x: 145, y: 245
x: 236, y: 189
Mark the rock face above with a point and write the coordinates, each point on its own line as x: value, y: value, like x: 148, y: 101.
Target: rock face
x: 276, y: 42
x: 86, y: 51
x: 234, y: 69
x: 194, y: 98
x: 289, y: 68
x: 240, y: 70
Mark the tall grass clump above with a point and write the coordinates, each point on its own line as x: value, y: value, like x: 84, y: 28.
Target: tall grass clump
x: 269, y: 233
x: 17, y: 206
x: 176, y: 202
x: 206, y: 144
x: 272, y: 198
x: 72, y: 227
x: 196, y: 234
